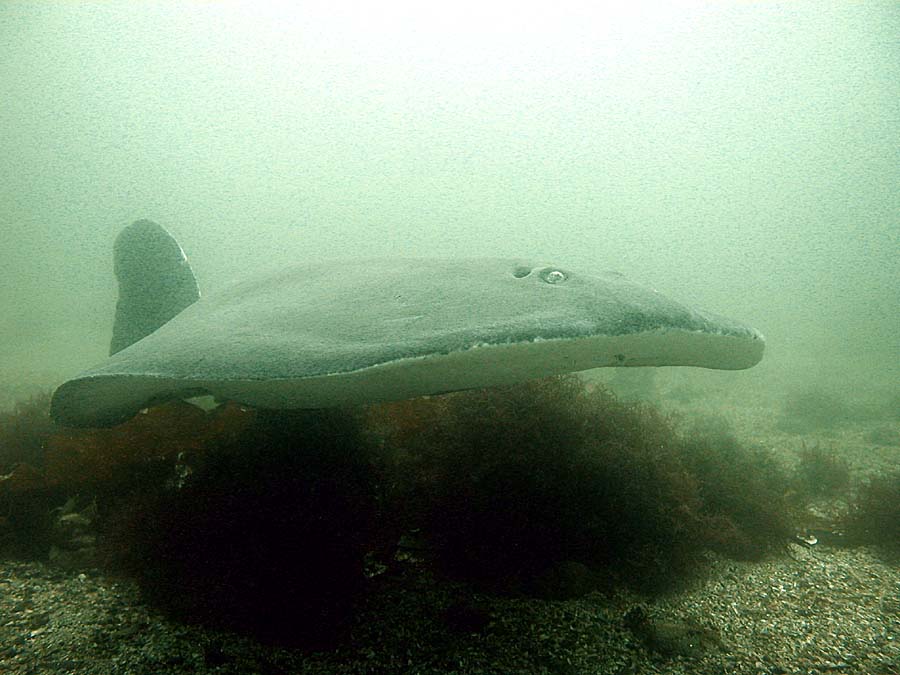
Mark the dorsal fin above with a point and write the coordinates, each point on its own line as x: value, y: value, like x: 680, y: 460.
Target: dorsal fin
x: 155, y: 282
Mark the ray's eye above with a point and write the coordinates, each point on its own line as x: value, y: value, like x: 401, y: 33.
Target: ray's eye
x: 521, y: 272
x: 553, y: 276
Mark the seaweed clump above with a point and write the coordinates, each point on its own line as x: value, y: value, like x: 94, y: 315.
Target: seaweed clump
x: 254, y: 521
x: 512, y: 482
x: 266, y: 532
x: 263, y: 521
x: 821, y: 472
x: 24, y: 431
x: 45, y: 466
x: 874, y: 516
x: 25, y: 497
x: 743, y: 488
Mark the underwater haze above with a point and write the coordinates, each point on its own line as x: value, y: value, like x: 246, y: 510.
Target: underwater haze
x: 741, y: 157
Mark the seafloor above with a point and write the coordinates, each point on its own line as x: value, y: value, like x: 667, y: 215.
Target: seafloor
x: 814, y: 609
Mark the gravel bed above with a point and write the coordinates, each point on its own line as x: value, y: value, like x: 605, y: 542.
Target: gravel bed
x: 811, y: 611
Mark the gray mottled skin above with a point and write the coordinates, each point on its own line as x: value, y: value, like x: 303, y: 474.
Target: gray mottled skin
x: 336, y: 333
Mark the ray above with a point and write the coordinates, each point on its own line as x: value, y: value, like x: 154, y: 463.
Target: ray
x: 325, y: 334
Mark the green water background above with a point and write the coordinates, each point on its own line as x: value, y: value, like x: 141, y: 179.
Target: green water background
x: 742, y: 157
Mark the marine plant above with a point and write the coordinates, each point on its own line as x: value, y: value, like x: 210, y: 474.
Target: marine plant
x: 45, y: 464
x: 744, y: 490
x: 511, y: 482
x: 25, y: 498
x: 261, y: 521
x: 874, y: 515
x: 23, y: 432
x: 267, y: 535
x: 821, y: 471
